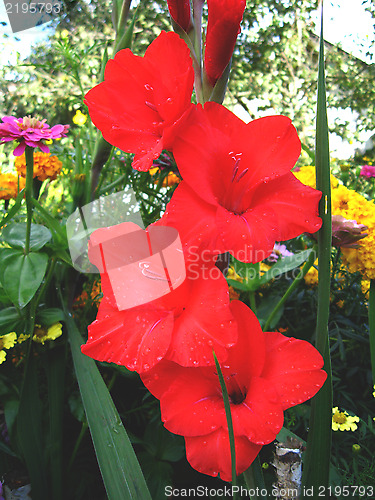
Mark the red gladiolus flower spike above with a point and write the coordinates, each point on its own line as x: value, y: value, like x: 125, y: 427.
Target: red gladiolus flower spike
x: 143, y: 99
x: 180, y: 13
x: 224, y: 18
x: 238, y: 186
x: 183, y: 326
x: 265, y: 374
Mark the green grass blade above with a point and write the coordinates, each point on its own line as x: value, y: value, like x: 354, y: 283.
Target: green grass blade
x: 122, y: 475
x: 317, y: 460
x: 30, y: 433
x: 228, y: 414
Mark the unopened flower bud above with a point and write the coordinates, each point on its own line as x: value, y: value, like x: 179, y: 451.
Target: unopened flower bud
x: 346, y: 233
x: 180, y: 13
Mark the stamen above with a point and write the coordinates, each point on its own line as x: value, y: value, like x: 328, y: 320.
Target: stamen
x: 235, y: 169
x: 151, y: 106
x: 242, y: 174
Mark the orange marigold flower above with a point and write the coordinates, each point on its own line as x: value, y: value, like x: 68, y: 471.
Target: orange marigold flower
x: 10, y: 186
x: 170, y: 180
x: 45, y: 166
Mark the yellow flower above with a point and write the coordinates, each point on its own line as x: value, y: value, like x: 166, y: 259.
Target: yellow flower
x: 170, y: 180
x: 10, y: 186
x: 352, y: 206
x: 306, y: 175
x: 6, y: 342
x: 79, y: 118
x: 42, y: 334
x: 311, y: 277
x: 22, y: 337
x: 342, y: 421
x: 45, y: 166
x: 232, y: 275
x: 374, y: 392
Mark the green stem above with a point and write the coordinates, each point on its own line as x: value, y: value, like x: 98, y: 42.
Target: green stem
x: 253, y: 305
x: 29, y: 155
x: 371, y: 322
x: 308, y: 264
x: 77, y: 445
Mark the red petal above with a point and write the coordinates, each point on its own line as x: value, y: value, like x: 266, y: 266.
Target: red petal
x: 158, y: 380
x: 206, y: 144
x: 206, y: 324
x: 137, y: 338
x: 249, y: 237
x: 293, y: 367
x: 196, y: 231
x: 210, y: 454
x: 292, y: 206
x: 193, y: 405
x: 260, y: 416
x: 270, y: 147
x: 248, y: 355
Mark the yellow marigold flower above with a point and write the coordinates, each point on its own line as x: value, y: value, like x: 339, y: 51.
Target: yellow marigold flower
x: 306, y: 175
x: 79, y: 118
x: 10, y: 186
x: 352, y: 206
x: 45, y: 166
x: 42, y: 334
x: 374, y: 392
x: 170, y: 180
x: 342, y: 421
x: 3, y: 356
x: 311, y: 277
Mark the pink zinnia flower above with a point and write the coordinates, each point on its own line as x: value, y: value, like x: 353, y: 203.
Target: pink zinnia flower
x: 367, y: 171
x: 29, y: 132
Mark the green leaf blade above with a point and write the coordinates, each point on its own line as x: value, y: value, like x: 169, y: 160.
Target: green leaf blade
x: 118, y: 464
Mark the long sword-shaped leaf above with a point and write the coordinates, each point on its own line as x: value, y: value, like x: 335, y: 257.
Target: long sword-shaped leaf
x: 228, y: 415
x: 316, y: 466
x: 122, y: 475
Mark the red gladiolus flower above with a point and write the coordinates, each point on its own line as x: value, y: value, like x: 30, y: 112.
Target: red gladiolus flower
x: 224, y: 18
x: 237, y: 185
x: 265, y: 373
x: 180, y: 13
x: 143, y: 99
x: 183, y: 326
